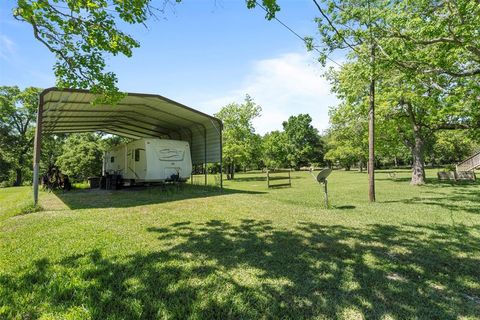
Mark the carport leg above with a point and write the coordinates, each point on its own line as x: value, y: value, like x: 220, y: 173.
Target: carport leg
x: 205, y: 152
x: 221, y: 159
x: 37, y: 149
x: 206, y: 174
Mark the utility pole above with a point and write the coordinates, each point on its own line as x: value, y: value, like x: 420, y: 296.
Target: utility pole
x: 371, y: 113
x: 371, y: 128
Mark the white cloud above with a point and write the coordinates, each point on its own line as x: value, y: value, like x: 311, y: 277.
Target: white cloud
x: 284, y: 86
x: 7, y: 48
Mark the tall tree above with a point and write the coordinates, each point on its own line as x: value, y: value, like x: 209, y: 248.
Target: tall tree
x: 17, y: 119
x: 409, y: 110
x: 239, y: 139
x: 304, y: 145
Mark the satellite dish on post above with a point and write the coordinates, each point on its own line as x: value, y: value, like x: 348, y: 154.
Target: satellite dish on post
x: 322, y: 175
x: 322, y: 178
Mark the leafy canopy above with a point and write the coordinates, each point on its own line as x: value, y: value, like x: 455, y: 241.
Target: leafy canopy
x: 303, y: 142
x: 240, y: 142
x: 17, y: 119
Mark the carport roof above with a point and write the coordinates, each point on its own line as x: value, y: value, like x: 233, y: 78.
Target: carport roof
x: 137, y: 115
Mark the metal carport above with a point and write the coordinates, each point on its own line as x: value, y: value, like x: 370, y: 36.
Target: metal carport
x: 137, y: 115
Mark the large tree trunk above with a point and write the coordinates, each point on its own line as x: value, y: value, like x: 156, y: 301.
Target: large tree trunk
x: 418, y: 165
x: 417, y: 146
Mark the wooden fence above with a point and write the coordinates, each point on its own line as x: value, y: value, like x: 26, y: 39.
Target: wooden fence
x: 280, y: 175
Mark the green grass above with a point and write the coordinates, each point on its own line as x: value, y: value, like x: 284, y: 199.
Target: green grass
x: 15, y: 201
x: 248, y: 252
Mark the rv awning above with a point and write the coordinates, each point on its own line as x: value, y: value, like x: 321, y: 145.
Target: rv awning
x: 137, y: 115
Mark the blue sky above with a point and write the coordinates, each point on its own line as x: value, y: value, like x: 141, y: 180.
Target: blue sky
x: 203, y: 53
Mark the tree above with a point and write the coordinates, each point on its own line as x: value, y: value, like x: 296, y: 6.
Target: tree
x: 347, y: 137
x: 17, y: 118
x: 274, y: 146
x: 303, y: 142
x: 433, y: 48
x: 452, y: 147
x: 80, y: 34
x: 239, y: 140
x: 256, y: 154
x: 81, y: 156
x: 410, y: 111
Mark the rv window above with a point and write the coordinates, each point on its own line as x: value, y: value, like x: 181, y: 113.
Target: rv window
x: 137, y: 154
x: 112, y: 159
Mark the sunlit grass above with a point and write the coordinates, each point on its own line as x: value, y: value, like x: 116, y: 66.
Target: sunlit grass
x: 246, y: 252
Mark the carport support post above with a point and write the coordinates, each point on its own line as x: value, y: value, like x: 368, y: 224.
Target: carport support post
x: 221, y: 159
x: 205, y: 152
x: 37, y: 149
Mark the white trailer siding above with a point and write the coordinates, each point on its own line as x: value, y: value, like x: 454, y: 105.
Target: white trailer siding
x: 151, y: 160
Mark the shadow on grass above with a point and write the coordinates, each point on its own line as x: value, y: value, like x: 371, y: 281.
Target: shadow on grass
x: 461, y: 198
x: 429, y: 181
x: 345, y: 207
x: 252, y: 270
x: 136, y: 196
x: 245, y: 178
x: 242, y: 178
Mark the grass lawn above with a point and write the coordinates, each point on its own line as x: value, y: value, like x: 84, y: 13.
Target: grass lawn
x: 248, y: 252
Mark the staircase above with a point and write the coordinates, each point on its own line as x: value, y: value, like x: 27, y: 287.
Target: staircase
x: 470, y: 163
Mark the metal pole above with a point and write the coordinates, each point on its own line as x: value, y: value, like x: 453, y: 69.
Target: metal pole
x: 221, y: 159
x: 104, y: 164
x: 326, y: 193
x: 37, y: 149
x: 205, y: 153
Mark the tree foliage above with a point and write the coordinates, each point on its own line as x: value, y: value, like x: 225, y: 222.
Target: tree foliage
x: 303, y: 142
x: 81, y: 156
x: 81, y: 34
x: 240, y: 143
x: 427, y: 67
x: 274, y: 145
x: 17, y: 119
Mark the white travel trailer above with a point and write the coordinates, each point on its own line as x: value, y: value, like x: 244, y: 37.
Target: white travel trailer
x: 150, y: 160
